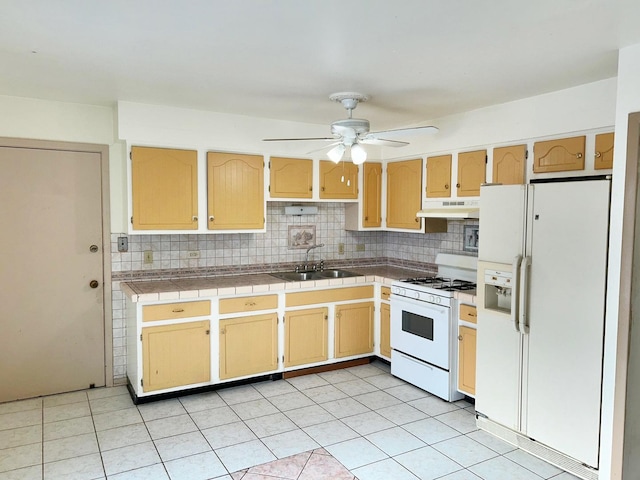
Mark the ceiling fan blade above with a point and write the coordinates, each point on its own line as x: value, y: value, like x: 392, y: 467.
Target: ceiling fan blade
x: 324, y: 148
x: 297, y: 139
x: 373, y: 140
x: 407, y: 131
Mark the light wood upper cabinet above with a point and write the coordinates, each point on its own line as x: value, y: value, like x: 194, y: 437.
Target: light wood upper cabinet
x: 385, y: 330
x: 467, y: 360
x: 564, y: 154
x: 509, y: 164
x: 291, y: 177
x: 235, y: 191
x: 404, y: 192
x: 306, y: 336
x: 164, y: 191
x: 353, y: 329
x: 175, y: 355
x: 439, y: 176
x: 604, y: 151
x: 372, y: 195
x: 248, y: 345
x: 471, y: 173
x: 338, y: 181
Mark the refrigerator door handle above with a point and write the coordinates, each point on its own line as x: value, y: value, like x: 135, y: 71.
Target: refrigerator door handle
x: 522, y: 314
x: 515, y: 268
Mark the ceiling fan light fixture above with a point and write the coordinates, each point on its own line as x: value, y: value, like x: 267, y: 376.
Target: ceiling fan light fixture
x: 336, y: 153
x: 358, y: 154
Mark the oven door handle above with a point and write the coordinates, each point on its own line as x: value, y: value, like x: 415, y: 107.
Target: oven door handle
x: 419, y: 362
x: 398, y: 301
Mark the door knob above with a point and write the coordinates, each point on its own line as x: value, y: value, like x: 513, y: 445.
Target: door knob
x: 93, y: 248
x: 93, y: 284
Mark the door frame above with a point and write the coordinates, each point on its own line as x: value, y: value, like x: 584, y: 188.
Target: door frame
x: 103, y: 151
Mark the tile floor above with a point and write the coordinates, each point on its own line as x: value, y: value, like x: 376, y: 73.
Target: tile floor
x: 359, y: 422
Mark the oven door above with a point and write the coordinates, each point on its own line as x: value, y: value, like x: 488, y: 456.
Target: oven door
x: 421, y: 329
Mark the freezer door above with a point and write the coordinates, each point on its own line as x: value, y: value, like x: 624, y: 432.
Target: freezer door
x: 502, y: 222
x: 498, y: 352
x: 566, y: 306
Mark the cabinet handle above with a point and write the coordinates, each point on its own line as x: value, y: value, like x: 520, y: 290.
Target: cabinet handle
x: 579, y: 155
x: 194, y: 218
x: 178, y: 310
x: 446, y: 186
x: 211, y: 218
x: 598, y: 154
x: 460, y: 337
x: 250, y: 304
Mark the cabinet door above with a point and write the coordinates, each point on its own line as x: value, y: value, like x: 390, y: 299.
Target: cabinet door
x: 385, y: 330
x: 372, y: 195
x: 404, y: 190
x: 175, y: 355
x: 439, y: 176
x: 353, y: 329
x: 338, y: 181
x: 509, y: 164
x: 164, y: 189
x: 604, y: 151
x: 290, y: 177
x: 305, y: 336
x: 248, y: 345
x: 564, y: 154
x: 467, y: 360
x: 235, y: 191
x: 471, y: 172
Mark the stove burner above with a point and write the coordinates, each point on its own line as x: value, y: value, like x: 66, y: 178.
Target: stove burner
x: 441, y: 283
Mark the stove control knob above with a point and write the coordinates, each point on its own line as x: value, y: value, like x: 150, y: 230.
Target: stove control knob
x: 438, y: 300
x: 416, y: 295
x: 399, y: 291
x: 432, y: 299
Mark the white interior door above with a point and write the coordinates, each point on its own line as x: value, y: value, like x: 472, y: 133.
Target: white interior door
x: 569, y: 233
x: 52, y: 314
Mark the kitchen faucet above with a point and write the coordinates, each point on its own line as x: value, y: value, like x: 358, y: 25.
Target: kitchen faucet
x: 305, y: 267
x: 306, y: 258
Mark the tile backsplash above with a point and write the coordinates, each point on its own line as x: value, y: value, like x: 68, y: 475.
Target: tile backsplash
x: 264, y: 250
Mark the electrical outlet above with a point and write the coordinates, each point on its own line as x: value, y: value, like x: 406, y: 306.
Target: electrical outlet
x: 341, y: 249
x: 123, y: 244
x: 193, y: 254
x: 148, y: 256
x: 360, y: 247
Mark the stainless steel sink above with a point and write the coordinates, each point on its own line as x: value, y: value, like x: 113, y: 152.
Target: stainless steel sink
x: 302, y: 276
x: 336, y: 274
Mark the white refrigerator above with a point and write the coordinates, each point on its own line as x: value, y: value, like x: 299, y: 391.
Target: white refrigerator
x: 542, y: 264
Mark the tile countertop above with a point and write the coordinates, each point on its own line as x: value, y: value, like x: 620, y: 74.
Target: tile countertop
x: 187, y: 288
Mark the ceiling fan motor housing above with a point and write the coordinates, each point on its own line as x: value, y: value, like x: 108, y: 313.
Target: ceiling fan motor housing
x: 350, y: 128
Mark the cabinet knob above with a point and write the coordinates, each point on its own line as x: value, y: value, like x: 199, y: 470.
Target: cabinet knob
x: 322, y: 189
x: 194, y: 218
x: 366, y: 218
x: 460, y: 337
x: 446, y: 186
x: 93, y: 284
x: 311, y: 189
x: 579, y: 155
x: 93, y: 248
x: 211, y: 218
x: 457, y: 185
x: 598, y: 154
x: 417, y: 220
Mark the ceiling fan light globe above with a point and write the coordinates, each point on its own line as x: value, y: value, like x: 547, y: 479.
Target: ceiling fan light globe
x: 358, y: 154
x: 336, y: 153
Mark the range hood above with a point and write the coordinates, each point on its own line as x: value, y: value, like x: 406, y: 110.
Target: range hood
x: 450, y: 209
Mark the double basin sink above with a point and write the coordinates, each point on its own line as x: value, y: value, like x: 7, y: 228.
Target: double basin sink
x: 313, y: 275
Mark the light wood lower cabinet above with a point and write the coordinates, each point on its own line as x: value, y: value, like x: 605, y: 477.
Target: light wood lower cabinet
x: 248, y: 345
x: 385, y: 330
x: 353, y: 329
x: 305, y: 336
x: 174, y: 355
x: 467, y: 360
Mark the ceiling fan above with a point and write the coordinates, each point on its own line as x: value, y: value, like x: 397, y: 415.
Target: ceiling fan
x: 352, y: 133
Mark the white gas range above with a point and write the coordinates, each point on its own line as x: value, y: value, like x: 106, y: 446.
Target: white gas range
x: 423, y: 335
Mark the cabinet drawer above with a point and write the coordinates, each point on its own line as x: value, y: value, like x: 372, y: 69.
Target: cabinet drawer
x: 468, y: 313
x: 385, y: 293
x: 328, y: 296
x: 171, y: 311
x: 248, y: 304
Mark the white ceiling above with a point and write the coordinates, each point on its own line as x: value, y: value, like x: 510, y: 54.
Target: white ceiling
x: 417, y: 59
